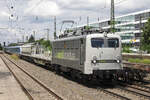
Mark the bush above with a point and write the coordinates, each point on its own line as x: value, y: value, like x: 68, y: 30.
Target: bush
x: 146, y: 37
x: 15, y: 57
x: 46, y: 44
x: 126, y: 50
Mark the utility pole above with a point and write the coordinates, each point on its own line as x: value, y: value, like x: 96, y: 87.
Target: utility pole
x: 87, y: 20
x: 27, y: 39
x: 98, y: 19
x: 23, y: 38
x: 141, y: 36
x: 112, y: 20
x: 4, y: 44
x: 47, y: 33
x: 55, y: 27
x: 34, y: 34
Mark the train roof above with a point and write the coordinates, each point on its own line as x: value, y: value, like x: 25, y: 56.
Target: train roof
x: 13, y: 47
x: 84, y: 36
x: 25, y: 45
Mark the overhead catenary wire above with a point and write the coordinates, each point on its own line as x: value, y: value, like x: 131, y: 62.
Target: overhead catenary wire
x: 120, y: 2
x: 8, y: 5
x: 13, y: 3
x: 36, y: 5
x: 116, y: 4
x: 13, y: 18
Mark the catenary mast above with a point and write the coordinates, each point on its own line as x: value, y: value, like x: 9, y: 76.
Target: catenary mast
x: 112, y: 20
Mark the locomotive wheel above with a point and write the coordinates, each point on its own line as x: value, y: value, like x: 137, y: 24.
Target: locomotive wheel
x: 57, y: 70
x: 85, y: 79
x: 73, y: 74
x: 52, y: 67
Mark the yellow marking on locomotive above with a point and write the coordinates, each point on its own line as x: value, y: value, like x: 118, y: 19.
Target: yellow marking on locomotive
x: 64, y: 45
x: 101, y: 61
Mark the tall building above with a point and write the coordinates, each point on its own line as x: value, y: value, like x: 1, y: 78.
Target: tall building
x: 127, y: 26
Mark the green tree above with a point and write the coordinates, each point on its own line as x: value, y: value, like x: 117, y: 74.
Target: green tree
x: 31, y: 39
x: 45, y: 43
x: 1, y: 47
x: 146, y: 37
x: 13, y: 44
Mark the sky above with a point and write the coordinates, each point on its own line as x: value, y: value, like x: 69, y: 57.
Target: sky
x: 19, y: 18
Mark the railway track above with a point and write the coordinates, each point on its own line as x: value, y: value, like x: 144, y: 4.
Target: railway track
x: 120, y: 93
x: 146, y: 81
x: 143, y: 87
x: 7, y: 62
x: 127, y: 90
x: 21, y: 85
x: 138, y: 90
x: 112, y: 94
x: 139, y: 66
x: 137, y: 84
x: 143, y: 84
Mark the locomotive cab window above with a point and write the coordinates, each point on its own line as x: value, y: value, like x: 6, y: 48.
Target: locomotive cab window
x: 97, y: 42
x: 113, y: 43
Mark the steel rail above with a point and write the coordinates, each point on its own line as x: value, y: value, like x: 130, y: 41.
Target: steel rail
x: 133, y: 92
x: 114, y: 94
x: 19, y: 82
x: 36, y: 80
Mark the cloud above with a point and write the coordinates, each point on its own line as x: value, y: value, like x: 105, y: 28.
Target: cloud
x: 9, y: 36
x: 4, y: 14
x: 130, y: 6
x: 42, y: 8
x: 81, y: 4
x: 38, y: 14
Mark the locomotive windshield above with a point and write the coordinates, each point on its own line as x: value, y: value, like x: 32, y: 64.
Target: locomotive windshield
x: 113, y: 43
x: 105, y: 43
x: 97, y: 42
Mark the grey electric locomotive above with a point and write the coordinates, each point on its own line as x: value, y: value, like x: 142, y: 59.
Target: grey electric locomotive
x: 91, y: 55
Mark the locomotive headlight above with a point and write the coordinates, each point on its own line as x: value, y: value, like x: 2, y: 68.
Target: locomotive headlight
x: 118, y: 61
x: 94, y: 60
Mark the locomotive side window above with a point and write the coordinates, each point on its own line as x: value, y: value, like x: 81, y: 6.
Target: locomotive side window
x: 113, y: 43
x: 81, y: 41
x: 97, y: 42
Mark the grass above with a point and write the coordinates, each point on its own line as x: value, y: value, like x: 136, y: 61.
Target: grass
x: 143, y: 61
x: 126, y: 50
x: 15, y: 57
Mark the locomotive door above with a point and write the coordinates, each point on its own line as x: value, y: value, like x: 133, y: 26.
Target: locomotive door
x: 81, y: 51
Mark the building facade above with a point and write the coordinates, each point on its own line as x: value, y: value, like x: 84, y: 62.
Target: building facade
x: 128, y: 26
